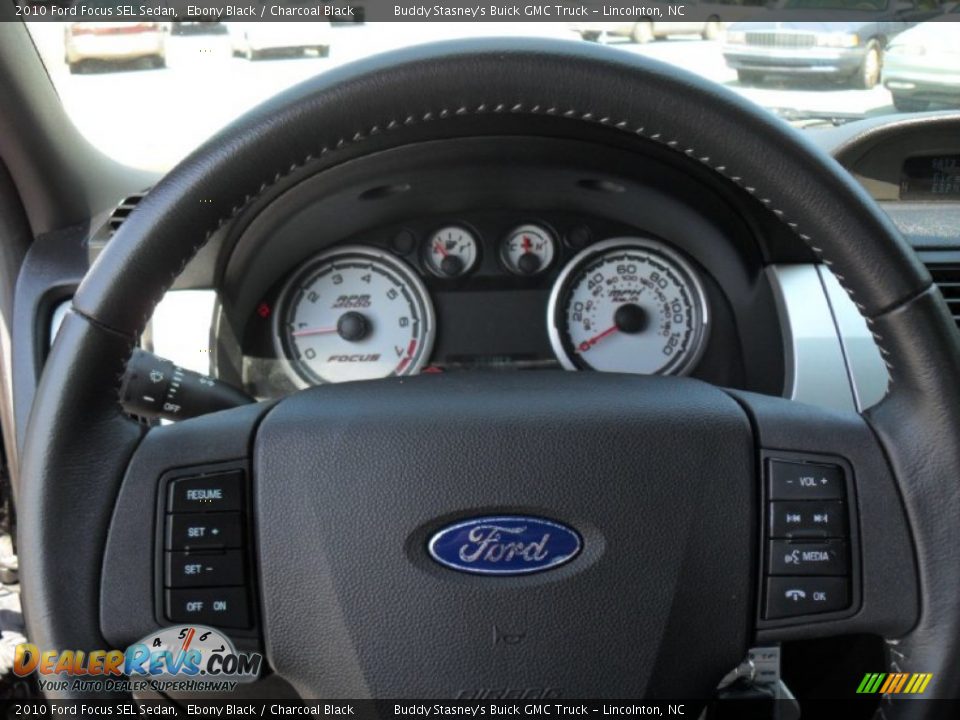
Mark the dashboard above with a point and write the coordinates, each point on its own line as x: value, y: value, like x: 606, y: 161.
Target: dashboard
x: 506, y: 254
x: 441, y: 261
x: 916, y: 160
x: 527, y: 297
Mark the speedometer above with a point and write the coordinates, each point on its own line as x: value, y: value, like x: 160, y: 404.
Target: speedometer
x: 354, y: 313
x: 628, y: 305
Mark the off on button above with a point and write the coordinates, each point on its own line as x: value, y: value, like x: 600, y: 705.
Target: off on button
x: 220, y: 607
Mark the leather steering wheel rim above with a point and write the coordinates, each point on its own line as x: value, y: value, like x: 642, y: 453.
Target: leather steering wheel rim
x: 79, y: 441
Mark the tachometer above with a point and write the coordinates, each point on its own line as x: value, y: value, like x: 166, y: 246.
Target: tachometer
x: 354, y: 313
x: 628, y: 305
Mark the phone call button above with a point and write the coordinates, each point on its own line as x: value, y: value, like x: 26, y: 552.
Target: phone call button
x: 793, y: 596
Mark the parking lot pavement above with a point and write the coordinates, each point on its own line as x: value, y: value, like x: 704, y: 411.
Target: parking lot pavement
x: 152, y: 118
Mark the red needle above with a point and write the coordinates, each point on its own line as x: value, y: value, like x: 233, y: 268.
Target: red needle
x: 526, y: 243
x: 587, y: 344
x: 439, y: 246
x: 314, y: 331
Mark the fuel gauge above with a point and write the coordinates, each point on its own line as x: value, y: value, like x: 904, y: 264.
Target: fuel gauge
x: 528, y: 250
x: 452, y: 251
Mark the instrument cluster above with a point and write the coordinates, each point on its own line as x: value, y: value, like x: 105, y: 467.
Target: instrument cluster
x: 442, y: 295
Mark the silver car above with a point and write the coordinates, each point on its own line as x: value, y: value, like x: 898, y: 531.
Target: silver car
x: 923, y: 66
x: 253, y: 40
x: 849, y: 51
x: 644, y: 31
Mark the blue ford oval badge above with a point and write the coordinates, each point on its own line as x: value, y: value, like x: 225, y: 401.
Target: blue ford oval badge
x: 504, y: 545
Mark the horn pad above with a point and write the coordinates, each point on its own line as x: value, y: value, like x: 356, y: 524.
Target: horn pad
x: 656, y: 477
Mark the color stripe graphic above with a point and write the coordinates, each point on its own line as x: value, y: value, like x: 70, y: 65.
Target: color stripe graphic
x: 894, y: 683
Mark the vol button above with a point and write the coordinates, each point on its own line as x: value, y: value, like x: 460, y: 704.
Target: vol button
x: 805, y: 481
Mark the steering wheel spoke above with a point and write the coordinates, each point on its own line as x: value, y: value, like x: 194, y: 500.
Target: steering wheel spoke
x: 835, y: 546
x: 181, y: 540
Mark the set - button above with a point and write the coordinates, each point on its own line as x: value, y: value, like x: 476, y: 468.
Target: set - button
x: 204, y: 572
x: 201, y: 569
x: 807, y: 537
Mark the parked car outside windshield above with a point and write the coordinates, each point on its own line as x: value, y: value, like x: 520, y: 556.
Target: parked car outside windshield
x: 152, y: 106
x: 923, y: 66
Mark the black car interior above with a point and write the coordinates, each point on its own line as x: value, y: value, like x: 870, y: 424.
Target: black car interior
x: 680, y: 486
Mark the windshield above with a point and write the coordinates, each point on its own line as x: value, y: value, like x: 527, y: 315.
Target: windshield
x: 147, y: 93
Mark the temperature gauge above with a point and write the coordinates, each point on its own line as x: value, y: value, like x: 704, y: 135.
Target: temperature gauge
x: 452, y: 251
x: 527, y: 250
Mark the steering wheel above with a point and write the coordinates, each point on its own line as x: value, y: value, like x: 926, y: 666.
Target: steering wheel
x: 665, y: 481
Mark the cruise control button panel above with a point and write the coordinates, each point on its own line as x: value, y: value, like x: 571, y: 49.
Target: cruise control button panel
x: 808, y: 543
x: 204, y: 556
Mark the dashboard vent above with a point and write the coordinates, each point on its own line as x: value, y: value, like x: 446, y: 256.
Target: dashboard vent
x: 106, y: 228
x: 122, y: 212
x: 947, y: 278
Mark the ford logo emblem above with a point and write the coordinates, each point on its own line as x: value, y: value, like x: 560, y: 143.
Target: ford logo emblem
x: 504, y: 545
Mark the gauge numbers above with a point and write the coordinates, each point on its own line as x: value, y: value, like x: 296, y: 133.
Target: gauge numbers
x: 628, y: 305
x: 354, y: 313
